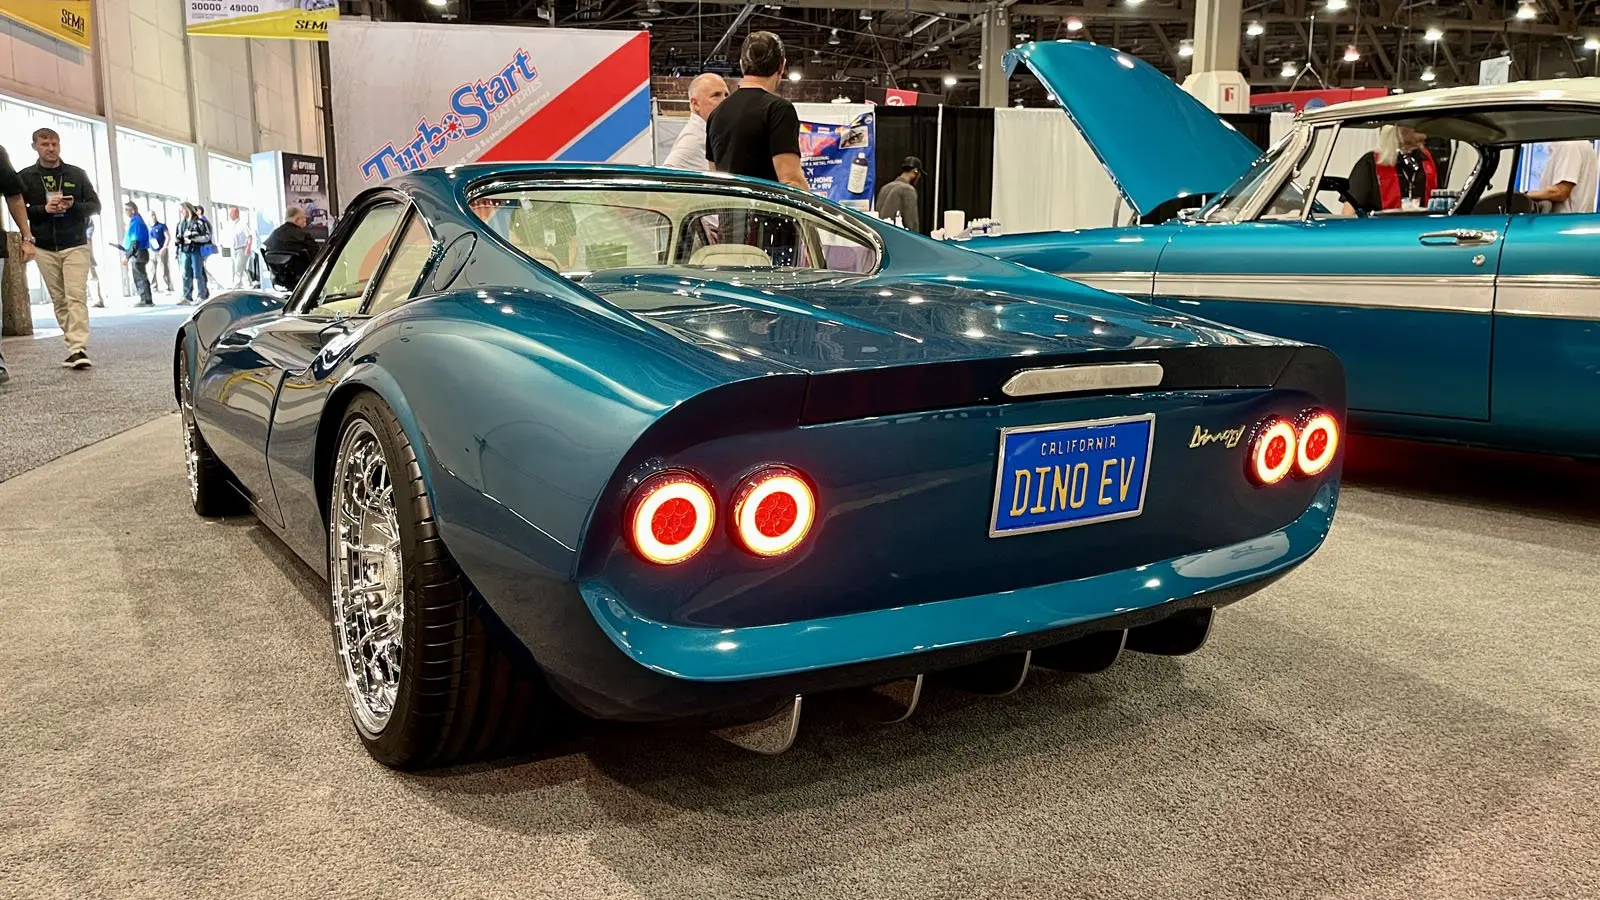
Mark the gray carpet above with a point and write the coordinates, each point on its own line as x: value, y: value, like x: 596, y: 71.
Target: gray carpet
x: 46, y: 411
x: 1414, y: 714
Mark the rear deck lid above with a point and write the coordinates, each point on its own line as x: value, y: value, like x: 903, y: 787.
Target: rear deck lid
x: 1155, y: 140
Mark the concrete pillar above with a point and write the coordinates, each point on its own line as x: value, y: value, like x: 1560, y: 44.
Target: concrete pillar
x: 1216, y: 35
x: 996, y: 40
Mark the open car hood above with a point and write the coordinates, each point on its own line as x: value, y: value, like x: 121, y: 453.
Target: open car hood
x: 1155, y: 140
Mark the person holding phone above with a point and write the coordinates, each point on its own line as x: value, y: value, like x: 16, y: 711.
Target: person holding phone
x: 61, y: 201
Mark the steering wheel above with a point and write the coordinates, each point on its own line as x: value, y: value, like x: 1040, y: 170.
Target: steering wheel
x: 1504, y: 202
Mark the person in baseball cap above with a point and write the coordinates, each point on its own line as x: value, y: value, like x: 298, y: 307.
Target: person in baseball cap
x: 897, y: 200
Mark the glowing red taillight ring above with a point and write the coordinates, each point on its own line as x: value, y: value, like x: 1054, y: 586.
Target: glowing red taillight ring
x: 1319, y: 440
x: 670, y: 517
x: 1272, y: 451
x: 773, y: 511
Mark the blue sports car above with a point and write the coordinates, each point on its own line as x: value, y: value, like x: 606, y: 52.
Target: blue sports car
x: 657, y: 445
x: 1444, y: 243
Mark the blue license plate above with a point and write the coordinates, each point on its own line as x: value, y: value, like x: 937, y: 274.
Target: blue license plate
x: 1078, y: 473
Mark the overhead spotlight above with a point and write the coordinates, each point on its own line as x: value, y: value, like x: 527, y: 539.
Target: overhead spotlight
x: 1186, y: 48
x: 949, y: 81
x: 438, y: 4
x: 1255, y: 29
x: 653, y: 9
x: 1351, y: 54
x: 794, y: 75
x: 1336, y: 5
x: 833, y: 37
x: 1289, y: 70
x: 1135, y: 2
x: 1434, y: 33
x: 1428, y: 75
x: 1527, y: 12
x: 1592, y: 44
x: 866, y: 15
x: 1019, y: 103
x: 1074, y: 23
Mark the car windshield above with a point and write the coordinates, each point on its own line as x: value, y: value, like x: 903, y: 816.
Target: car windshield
x: 584, y: 232
x: 1229, y: 205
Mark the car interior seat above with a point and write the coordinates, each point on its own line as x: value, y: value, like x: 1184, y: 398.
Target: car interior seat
x: 731, y: 255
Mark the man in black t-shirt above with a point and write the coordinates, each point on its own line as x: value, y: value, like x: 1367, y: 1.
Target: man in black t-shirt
x: 755, y: 132
x: 11, y: 189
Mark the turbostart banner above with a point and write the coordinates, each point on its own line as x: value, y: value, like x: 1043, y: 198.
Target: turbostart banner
x: 485, y: 94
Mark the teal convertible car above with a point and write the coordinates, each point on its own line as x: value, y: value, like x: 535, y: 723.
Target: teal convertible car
x: 1466, y: 310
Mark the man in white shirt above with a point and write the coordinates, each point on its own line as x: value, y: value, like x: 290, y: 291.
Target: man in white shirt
x: 1571, y: 177
x: 239, y: 241
x: 706, y: 91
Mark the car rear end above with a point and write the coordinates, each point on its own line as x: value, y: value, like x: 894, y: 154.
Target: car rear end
x: 800, y: 532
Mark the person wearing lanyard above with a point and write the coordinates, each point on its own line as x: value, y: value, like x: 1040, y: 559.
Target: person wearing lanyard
x: 61, y: 202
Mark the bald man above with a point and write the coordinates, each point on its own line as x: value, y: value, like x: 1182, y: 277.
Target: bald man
x: 706, y: 91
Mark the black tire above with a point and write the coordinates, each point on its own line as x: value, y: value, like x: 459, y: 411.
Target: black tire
x: 212, y: 488
x: 466, y: 688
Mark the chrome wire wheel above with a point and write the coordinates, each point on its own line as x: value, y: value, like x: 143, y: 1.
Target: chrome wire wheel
x: 191, y: 447
x: 366, y: 576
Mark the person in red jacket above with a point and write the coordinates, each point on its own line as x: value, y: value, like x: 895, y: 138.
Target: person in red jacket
x: 1400, y: 169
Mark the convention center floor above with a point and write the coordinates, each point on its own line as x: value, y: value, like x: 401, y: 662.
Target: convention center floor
x: 1413, y: 714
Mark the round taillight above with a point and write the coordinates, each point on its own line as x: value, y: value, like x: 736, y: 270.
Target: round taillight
x: 773, y: 510
x: 670, y: 517
x: 1319, y: 439
x: 1272, y: 452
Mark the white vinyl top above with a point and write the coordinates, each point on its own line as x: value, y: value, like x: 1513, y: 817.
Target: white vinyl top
x: 1560, y: 90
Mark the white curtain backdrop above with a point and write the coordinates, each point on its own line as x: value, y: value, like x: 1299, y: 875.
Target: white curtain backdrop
x: 1046, y: 178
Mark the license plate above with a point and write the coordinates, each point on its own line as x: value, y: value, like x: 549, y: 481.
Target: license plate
x: 1076, y: 473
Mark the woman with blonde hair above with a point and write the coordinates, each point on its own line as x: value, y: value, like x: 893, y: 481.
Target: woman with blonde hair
x: 1400, y: 169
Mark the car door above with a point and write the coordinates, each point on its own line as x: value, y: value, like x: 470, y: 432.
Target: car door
x: 243, y: 374
x: 1547, y: 333
x: 390, y: 256
x: 1406, y: 300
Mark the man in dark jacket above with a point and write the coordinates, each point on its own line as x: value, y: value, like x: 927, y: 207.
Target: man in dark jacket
x: 60, y: 203
x: 290, y: 249
x: 11, y: 189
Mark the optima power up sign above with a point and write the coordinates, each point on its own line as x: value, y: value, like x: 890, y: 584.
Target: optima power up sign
x: 486, y: 94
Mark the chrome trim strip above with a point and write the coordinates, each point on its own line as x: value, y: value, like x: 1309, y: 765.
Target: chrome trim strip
x: 1116, y: 282
x: 1549, y: 296
x: 1433, y: 293
x: 1078, y: 379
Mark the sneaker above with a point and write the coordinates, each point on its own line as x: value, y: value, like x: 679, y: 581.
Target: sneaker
x: 77, y: 360
x: 4, y: 376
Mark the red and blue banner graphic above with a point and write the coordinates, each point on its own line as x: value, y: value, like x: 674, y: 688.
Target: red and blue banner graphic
x: 837, y: 160
x: 490, y: 94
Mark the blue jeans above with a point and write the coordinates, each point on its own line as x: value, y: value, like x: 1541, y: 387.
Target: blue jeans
x: 194, y: 270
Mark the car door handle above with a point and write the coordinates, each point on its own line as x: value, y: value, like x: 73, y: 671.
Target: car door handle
x: 1459, y: 237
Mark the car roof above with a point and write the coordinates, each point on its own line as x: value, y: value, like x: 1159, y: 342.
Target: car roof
x: 1430, y: 102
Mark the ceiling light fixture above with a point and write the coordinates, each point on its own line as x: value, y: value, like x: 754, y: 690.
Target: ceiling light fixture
x: 438, y: 4
x: 1336, y: 5
x: 1186, y: 48
x: 1135, y: 2
x: 1434, y: 33
x: 949, y: 81
x: 866, y: 15
x: 1074, y: 23
x: 833, y: 37
x: 1593, y: 43
x: 1527, y: 12
x: 1351, y: 54
x: 1428, y: 75
x: 1255, y: 29
x: 794, y: 75
x: 1289, y: 70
